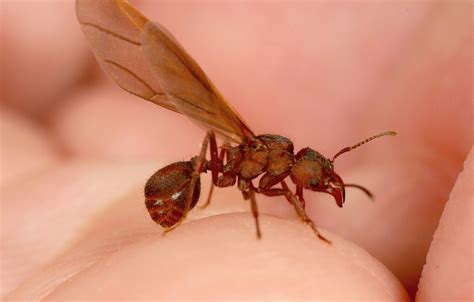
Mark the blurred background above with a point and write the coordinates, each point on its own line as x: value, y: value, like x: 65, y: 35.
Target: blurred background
x: 323, y: 73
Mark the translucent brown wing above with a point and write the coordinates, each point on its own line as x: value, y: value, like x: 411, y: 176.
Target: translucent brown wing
x: 154, y: 66
x: 115, y: 41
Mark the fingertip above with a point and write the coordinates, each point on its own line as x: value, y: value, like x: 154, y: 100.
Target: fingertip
x: 220, y: 257
x: 447, y: 275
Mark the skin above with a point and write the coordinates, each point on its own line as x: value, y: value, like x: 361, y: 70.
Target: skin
x: 74, y: 161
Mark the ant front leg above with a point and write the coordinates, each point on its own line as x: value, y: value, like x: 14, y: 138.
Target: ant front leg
x: 299, y: 193
x: 268, y: 181
x: 198, y: 167
x: 297, y: 204
x: 301, y: 212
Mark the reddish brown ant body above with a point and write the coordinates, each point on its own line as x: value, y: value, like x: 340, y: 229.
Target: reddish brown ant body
x: 268, y: 156
x: 147, y: 61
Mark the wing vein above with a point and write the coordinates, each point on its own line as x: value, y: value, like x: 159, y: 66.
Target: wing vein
x: 192, y: 104
x: 134, y: 75
x: 110, y: 33
x: 178, y: 53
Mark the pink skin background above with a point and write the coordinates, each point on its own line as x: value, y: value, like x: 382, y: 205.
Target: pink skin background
x: 76, y: 151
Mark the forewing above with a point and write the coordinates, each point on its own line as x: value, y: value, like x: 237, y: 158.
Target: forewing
x: 145, y: 60
x: 115, y: 41
x: 188, y: 87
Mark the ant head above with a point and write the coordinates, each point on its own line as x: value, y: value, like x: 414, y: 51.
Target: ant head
x: 315, y: 172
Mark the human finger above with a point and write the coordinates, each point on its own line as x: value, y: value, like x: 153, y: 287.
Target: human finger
x: 424, y: 95
x: 447, y: 274
x: 288, y: 262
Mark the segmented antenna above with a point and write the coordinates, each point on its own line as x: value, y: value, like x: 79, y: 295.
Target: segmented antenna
x: 347, y: 149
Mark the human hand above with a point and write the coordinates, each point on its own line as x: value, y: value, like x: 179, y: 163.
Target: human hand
x: 74, y: 207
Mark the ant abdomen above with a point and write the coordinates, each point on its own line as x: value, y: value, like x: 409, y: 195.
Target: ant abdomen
x: 166, y: 193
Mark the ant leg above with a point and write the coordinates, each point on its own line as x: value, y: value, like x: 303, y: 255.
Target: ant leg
x: 301, y: 212
x: 198, y: 168
x: 214, y: 160
x: 209, y: 195
x: 221, y: 160
x: 253, y: 204
x: 299, y: 193
x: 272, y: 192
x: 248, y: 192
x: 298, y: 204
x: 268, y: 181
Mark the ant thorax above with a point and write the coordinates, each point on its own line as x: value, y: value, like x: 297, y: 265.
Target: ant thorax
x: 269, y: 154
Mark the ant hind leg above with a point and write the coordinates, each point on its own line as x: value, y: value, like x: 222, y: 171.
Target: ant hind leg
x: 198, y: 163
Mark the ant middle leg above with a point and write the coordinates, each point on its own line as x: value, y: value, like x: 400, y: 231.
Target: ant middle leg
x: 253, y: 204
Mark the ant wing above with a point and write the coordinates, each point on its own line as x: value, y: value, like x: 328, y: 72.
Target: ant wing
x: 115, y: 42
x: 188, y: 87
x: 146, y: 60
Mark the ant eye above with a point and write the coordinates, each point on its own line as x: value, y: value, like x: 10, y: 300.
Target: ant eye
x: 313, y: 182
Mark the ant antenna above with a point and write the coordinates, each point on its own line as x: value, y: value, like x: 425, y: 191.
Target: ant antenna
x: 347, y: 149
